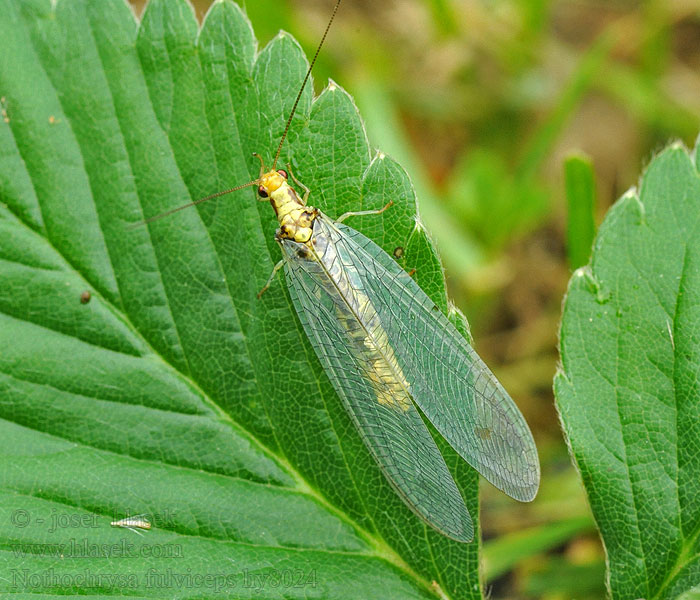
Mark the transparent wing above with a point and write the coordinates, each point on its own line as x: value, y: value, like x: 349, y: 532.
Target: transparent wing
x: 395, y: 435
x: 449, y: 382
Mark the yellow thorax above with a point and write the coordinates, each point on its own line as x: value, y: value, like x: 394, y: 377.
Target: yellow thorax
x: 294, y: 217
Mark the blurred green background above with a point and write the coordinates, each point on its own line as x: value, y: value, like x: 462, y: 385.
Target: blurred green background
x: 520, y: 123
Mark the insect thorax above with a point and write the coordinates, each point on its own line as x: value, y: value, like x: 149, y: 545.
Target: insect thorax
x: 295, y: 219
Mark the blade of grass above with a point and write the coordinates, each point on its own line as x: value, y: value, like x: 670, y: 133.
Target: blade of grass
x: 460, y: 254
x: 540, y: 145
x: 443, y: 16
x: 499, y: 556
x: 656, y: 44
x: 647, y: 102
x: 580, y: 200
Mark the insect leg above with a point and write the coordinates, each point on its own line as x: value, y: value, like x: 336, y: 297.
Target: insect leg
x: 360, y: 213
x: 277, y: 267
x: 262, y: 162
x: 134, y: 530
x: 307, y: 191
x: 262, y: 170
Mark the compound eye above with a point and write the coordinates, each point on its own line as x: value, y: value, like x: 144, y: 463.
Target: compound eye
x: 262, y: 192
x: 282, y: 172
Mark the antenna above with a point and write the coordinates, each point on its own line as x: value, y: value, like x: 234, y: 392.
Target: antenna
x: 279, y: 148
x: 179, y: 208
x: 303, y: 85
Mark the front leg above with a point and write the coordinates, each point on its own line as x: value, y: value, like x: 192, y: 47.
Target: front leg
x: 307, y: 191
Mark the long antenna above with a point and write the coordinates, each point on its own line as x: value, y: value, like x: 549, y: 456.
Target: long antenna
x: 174, y: 210
x: 279, y: 148
x: 303, y: 85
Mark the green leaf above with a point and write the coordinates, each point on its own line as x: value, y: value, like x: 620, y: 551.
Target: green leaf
x: 691, y: 594
x: 628, y: 389
x: 174, y: 392
x: 580, y: 198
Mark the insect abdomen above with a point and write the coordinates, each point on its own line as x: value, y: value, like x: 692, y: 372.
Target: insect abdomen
x: 354, y: 310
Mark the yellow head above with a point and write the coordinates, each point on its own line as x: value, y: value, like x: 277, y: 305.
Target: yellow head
x: 270, y: 182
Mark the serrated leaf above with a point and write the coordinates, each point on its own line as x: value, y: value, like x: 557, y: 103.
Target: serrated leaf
x: 173, y: 391
x: 628, y: 389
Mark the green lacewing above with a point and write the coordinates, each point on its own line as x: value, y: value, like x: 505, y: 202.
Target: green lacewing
x: 391, y: 354
x: 133, y: 523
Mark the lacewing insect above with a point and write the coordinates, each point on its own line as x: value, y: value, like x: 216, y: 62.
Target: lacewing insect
x: 391, y: 355
x: 132, y: 523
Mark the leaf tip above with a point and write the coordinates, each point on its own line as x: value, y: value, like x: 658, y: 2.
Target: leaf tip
x: 586, y: 276
x: 632, y: 196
